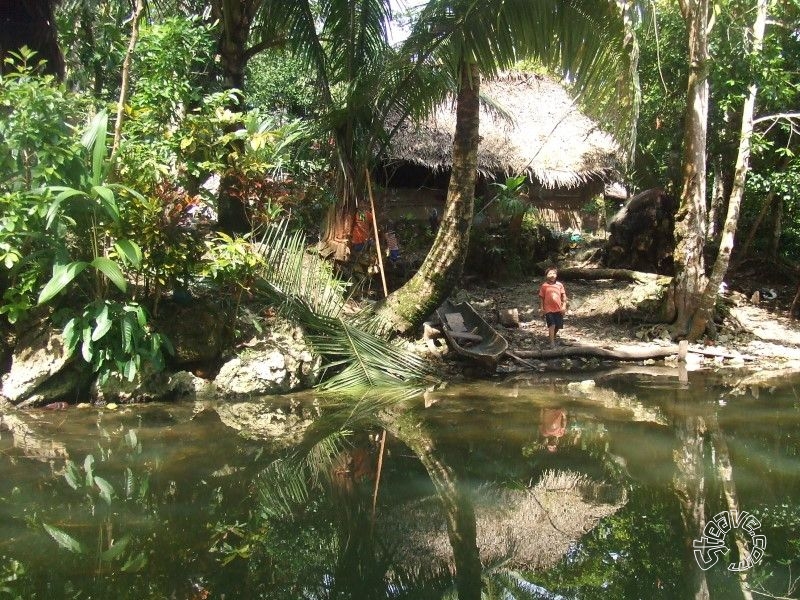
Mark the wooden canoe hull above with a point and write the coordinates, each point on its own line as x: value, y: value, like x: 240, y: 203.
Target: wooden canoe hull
x: 461, y: 325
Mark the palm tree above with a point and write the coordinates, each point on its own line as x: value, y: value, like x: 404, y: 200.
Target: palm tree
x: 588, y: 42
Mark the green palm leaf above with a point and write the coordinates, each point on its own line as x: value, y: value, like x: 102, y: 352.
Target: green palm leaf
x: 308, y: 292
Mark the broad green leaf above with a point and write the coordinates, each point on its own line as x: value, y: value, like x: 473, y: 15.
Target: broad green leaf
x: 127, y: 334
x: 102, y: 324
x: 55, y: 205
x: 111, y: 270
x: 116, y: 549
x: 130, y: 250
x: 135, y: 563
x: 106, y: 489
x: 72, y: 475
x: 70, y: 335
x: 63, y: 539
x: 107, y: 201
x: 88, y: 467
x: 95, y: 139
x: 62, y: 277
x: 86, y: 346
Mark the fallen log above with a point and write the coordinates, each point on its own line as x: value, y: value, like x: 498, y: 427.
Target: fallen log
x: 632, y: 353
x: 629, y: 353
x: 591, y: 273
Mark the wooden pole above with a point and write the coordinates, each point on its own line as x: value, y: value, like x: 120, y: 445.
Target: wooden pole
x: 377, y: 239
x: 378, y: 477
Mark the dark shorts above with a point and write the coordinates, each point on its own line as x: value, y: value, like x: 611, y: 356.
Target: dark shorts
x: 554, y: 318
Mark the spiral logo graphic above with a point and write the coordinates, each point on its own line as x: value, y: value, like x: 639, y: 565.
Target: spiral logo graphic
x: 711, y: 545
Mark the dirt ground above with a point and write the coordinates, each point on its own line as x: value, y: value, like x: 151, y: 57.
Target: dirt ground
x: 757, y: 338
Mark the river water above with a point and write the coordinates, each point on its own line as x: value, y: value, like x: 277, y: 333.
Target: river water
x: 618, y: 484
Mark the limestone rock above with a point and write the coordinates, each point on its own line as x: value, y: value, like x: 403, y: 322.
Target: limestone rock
x: 38, y: 357
x: 278, y: 363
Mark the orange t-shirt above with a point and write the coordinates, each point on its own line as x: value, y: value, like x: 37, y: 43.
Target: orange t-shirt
x: 361, y: 227
x: 551, y: 295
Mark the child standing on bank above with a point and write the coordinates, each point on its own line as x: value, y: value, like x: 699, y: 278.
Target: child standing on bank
x: 553, y: 299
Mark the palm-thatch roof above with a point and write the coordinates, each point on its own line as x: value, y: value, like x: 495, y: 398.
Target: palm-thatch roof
x: 529, y: 124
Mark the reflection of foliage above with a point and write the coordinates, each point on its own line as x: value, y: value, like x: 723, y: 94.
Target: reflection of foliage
x: 112, y: 551
x: 623, y: 556
x: 780, y: 523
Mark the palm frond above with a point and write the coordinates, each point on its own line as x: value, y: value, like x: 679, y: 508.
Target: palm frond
x: 308, y: 292
x: 589, y: 43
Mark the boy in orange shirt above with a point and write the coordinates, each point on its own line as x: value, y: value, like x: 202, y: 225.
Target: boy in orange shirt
x: 553, y: 299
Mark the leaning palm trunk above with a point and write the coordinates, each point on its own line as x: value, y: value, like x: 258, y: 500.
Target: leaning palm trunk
x: 706, y: 309
x: 690, y: 279
x: 444, y: 264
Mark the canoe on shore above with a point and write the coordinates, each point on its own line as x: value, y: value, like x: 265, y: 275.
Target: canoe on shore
x: 469, y: 335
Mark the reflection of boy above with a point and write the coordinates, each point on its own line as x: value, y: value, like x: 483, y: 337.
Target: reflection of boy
x: 552, y: 426
x: 361, y: 231
x: 553, y: 298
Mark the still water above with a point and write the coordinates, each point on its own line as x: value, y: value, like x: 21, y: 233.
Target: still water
x: 537, y: 486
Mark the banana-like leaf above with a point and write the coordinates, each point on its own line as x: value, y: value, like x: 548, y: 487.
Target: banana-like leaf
x: 62, y: 277
x: 111, y: 270
x: 130, y: 250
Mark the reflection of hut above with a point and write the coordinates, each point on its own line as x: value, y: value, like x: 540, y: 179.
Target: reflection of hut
x: 533, y: 127
x: 527, y: 529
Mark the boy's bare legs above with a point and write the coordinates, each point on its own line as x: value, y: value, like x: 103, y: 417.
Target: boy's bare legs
x: 551, y: 330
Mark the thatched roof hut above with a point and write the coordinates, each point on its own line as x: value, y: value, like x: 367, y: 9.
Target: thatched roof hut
x: 538, y: 130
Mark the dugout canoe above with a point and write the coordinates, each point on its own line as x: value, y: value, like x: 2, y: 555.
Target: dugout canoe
x: 469, y: 335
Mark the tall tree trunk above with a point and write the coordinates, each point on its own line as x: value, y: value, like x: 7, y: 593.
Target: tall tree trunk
x: 126, y: 74
x: 438, y: 275
x: 31, y: 23
x: 706, y: 309
x: 235, y: 18
x: 689, y: 485
x: 690, y: 279
x: 717, y: 202
x: 777, y: 226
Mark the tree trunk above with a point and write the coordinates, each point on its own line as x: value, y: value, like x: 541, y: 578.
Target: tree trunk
x: 777, y: 226
x: 706, y: 309
x: 407, y: 307
x: 717, y: 201
x: 235, y: 18
x: 751, y: 235
x: 689, y: 485
x: 31, y: 23
x: 126, y: 74
x: 690, y: 279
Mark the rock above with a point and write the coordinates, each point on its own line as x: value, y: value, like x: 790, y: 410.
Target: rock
x: 508, y: 317
x: 279, y: 363
x: 187, y: 385
x: 145, y: 387
x: 195, y: 330
x: 279, y: 422
x: 39, y: 368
